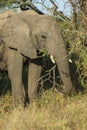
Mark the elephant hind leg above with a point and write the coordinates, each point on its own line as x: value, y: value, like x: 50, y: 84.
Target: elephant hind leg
x: 34, y: 73
x: 14, y: 64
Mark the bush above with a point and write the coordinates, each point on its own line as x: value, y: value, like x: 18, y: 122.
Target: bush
x: 77, y: 52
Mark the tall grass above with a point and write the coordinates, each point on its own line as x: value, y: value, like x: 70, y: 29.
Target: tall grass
x: 52, y: 111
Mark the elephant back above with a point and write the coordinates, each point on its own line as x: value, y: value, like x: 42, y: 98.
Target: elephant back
x: 28, y: 12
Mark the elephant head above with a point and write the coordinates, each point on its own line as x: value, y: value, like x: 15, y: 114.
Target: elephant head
x: 47, y: 34
x: 25, y: 33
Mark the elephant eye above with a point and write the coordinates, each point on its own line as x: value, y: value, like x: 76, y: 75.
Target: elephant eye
x: 43, y: 36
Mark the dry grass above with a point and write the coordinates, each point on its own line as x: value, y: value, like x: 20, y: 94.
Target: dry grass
x: 52, y: 111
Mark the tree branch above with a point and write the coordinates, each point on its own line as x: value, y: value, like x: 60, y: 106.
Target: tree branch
x: 56, y: 12
x: 49, y: 77
x: 74, y: 5
x: 30, y: 5
x: 54, y: 4
x: 27, y: 5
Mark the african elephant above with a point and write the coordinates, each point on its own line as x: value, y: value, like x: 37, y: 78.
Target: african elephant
x: 23, y: 35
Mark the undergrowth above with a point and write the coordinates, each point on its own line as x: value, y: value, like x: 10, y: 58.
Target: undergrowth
x: 52, y: 111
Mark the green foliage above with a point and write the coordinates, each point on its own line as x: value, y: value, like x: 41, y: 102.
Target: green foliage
x: 82, y: 66
x: 6, y: 2
x: 4, y: 84
x: 43, y: 53
x: 77, y: 52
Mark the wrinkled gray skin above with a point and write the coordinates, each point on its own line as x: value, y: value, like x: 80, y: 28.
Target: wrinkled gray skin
x: 23, y: 34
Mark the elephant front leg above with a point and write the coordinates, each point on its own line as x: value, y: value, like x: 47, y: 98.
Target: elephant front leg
x: 14, y: 64
x: 34, y: 73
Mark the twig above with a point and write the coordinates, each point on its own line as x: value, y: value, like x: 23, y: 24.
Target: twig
x: 54, y: 78
x: 48, y: 76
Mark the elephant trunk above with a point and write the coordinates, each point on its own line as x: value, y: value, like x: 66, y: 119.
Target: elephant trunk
x: 58, y: 50
x: 63, y: 66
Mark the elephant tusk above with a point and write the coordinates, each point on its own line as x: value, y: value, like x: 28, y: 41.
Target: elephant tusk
x: 52, y: 59
x: 70, y: 60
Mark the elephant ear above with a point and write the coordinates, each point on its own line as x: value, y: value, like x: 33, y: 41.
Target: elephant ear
x: 16, y: 35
